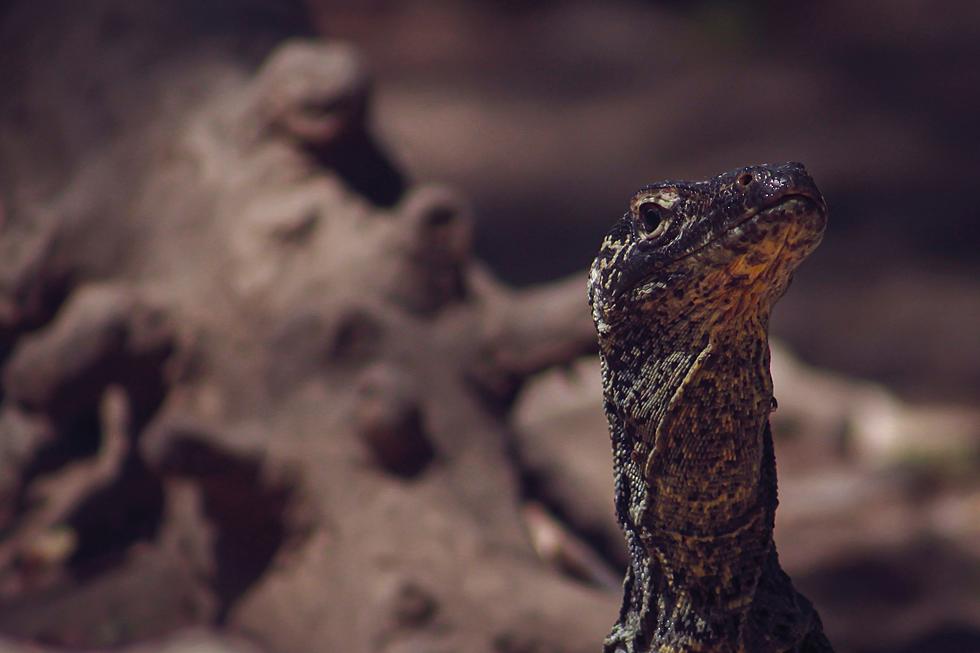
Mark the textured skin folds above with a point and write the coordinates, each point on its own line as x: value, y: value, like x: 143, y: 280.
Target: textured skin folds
x: 681, y: 292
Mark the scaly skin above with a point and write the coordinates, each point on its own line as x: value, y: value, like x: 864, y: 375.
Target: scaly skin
x: 681, y: 294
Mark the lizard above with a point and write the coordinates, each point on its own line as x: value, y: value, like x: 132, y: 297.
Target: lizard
x: 681, y: 293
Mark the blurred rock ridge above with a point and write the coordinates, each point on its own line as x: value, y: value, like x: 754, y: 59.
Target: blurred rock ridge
x: 259, y: 395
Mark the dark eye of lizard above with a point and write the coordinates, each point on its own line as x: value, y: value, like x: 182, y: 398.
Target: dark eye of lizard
x: 651, y: 217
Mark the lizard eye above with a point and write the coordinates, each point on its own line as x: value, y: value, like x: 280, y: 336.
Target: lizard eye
x: 651, y: 218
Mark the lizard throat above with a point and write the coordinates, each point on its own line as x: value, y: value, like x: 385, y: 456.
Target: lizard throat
x: 696, y: 492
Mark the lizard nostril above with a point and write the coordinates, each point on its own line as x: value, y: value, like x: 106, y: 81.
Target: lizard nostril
x: 745, y: 179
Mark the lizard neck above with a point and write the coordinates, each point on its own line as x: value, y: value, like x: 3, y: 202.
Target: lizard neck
x: 695, y: 483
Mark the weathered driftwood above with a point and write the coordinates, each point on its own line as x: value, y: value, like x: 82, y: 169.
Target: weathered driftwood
x: 254, y: 377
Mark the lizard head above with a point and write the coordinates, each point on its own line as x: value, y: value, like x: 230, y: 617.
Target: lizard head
x: 720, y: 248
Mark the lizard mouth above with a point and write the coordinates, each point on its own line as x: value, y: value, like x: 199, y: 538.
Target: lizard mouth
x: 799, y: 205
x: 804, y: 203
x: 804, y: 212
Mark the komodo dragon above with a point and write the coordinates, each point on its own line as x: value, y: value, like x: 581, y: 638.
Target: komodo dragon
x: 681, y: 292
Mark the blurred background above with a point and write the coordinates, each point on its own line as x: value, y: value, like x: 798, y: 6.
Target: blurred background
x: 293, y: 333
x: 548, y: 115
